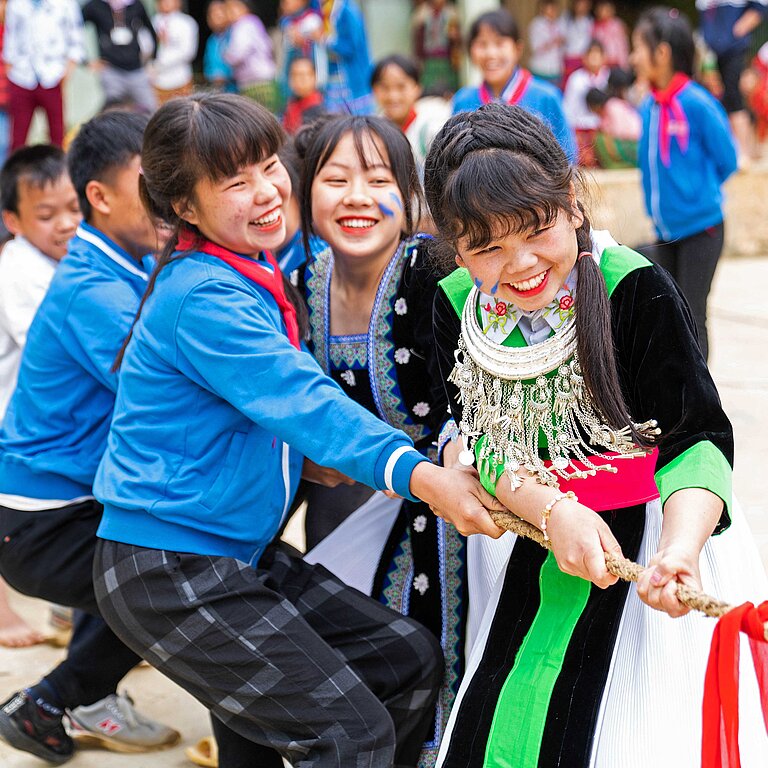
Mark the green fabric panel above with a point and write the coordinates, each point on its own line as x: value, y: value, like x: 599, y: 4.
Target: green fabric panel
x: 616, y: 263
x: 457, y: 287
x: 521, y: 710
x: 701, y: 466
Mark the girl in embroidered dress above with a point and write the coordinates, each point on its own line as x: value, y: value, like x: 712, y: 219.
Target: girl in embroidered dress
x: 495, y: 47
x: 217, y: 407
x: 370, y: 296
x: 584, y: 401
x: 686, y: 153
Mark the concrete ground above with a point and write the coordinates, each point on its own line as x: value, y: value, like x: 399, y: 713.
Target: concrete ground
x: 739, y: 327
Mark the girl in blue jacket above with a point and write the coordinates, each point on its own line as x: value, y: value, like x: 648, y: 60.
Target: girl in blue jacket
x: 686, y: 153
x: 217, y: 406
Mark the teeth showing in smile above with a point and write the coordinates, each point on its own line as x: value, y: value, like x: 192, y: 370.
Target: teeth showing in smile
x: 530, y: 284
x: 357, y: 223
x: 268, y: 219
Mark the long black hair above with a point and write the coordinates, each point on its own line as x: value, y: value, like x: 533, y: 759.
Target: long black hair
x: 499, y: 170
x: 206, y: 136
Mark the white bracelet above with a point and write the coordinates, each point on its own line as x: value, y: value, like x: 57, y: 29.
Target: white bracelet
x: 548, y: 510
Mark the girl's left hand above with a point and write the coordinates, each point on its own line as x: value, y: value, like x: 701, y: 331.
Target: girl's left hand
x: 658, y: 583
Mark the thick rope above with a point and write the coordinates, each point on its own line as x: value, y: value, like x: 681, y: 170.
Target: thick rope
x: 625, y: 569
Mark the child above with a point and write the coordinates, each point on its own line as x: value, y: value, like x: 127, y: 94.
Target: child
x: 495, y: 48
x: 40, y: 208
x: 594, y: 74
x: 306, y: 102
x: 177, y: 37
x: 437, y: 45
x: 546, y: 37
x: 218, y: 74
x: 577, y: 24
x: 563, y: 338
x: 302, y: 30
x: 395, y: 84
x: 250, y: 55
x: 686, y: 154
x: 619, y: 131
x: 195, y: 585
x: 52, y: 438
x: 370, y: 307
x: 611, y: 31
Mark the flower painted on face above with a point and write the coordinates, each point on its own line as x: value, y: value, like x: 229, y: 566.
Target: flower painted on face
x: 349, y: 377
x: 421, y: 583
x: 402, y: 355
x: 420, y: 523
x: 421, y: 409
x: 501, y: 308
x: 401, y: 306
x: 566, y: 302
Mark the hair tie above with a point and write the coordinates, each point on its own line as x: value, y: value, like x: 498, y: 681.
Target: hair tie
x: 673, y: 13
x: 583, y: 254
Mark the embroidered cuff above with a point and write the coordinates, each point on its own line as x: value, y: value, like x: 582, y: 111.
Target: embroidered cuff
x: 449, y: 432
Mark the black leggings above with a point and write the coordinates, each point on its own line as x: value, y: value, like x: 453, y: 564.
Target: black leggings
x: 692, y: 262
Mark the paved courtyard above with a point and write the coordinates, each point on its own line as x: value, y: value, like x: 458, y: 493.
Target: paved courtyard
x: 739, y: 340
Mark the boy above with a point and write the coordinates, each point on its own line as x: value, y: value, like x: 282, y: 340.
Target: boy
x: 306, y: 102
x: 51, y: 442
x: 177, y: 37
x: 40, y: 208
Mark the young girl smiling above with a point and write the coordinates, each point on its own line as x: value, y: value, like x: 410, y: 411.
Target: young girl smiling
x: 217, y: 406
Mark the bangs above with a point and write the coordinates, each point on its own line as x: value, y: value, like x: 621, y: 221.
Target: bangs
x: 236, y: 134
x: 364, y: 136
x: 496, y: 193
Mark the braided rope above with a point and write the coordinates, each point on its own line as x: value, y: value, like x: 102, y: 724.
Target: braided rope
x: 625, y: 569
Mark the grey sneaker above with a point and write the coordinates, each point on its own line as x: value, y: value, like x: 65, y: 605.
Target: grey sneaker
x: 114, y: 724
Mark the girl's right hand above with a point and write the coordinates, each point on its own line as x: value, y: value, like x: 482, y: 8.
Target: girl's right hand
x: 457, y: 497
x: 580, y: 539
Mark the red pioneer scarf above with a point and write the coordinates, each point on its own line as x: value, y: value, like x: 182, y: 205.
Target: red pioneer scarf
x: 270, y: 280
x: 672, y: 118
x: 720, y: 731
x: 513, y: 91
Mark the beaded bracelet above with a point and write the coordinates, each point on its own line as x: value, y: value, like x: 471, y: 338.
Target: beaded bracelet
x: 548, y: 510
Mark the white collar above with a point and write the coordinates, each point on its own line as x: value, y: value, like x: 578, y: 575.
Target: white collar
x: 125, y: 261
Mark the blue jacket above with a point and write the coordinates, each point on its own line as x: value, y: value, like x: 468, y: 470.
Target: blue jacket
x: 55, y: 429
x: 717, y: 25
x: 214, y: 413
x: 540, y: 98
x: 292, y: 255
x: 349, y: 44
x: 686, y: 197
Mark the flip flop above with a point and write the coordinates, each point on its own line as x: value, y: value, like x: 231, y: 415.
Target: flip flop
x: 205, y: 753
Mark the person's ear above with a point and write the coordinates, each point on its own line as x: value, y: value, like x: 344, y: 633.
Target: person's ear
x: 97, y: 193
x: 662, y: 55
x: 576, y: 214
x: 186, y: 211
x: 12, y: 223
x: 459, y: 261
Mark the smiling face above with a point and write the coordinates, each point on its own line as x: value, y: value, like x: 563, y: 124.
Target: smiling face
x: 243, y: 213
x: 357, y: 206
x: 396, y: 93
x: 47, y: 216
x: 495, y: 55
x: 526, y: 269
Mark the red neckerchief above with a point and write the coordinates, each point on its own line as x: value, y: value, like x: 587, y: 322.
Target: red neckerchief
x: 671, y: 112
x: 513, y: 91
x: 270, y: 280
x: 408, y: 121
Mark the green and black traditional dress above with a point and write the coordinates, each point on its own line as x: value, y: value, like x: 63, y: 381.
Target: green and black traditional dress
x: 417, y: 561
x: 562, y: 673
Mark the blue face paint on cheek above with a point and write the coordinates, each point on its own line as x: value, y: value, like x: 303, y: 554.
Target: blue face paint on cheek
x: 386, y: 211
x: 478, y: 284
x: 396, y: 200
x: 495, y: 289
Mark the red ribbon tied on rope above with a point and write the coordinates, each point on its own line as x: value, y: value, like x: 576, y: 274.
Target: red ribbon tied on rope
x: 269, y: 279
x: 672, y: 117
x: 720, y: 732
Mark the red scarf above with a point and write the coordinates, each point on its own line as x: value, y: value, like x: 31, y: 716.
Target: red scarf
x: 720, y: 729
x: 513, y: 91
x: 270, y: 280
x: 408, y: 121
x: 672, y: 118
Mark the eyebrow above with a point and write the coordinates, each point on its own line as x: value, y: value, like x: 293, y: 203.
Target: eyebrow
x: 344, y: 166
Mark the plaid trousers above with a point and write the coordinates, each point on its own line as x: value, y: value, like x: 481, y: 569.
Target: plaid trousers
x: 285, y: 654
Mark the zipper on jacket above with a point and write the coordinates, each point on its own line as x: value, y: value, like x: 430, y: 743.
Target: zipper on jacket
x: 653, y: 152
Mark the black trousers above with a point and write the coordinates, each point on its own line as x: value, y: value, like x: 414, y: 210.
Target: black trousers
x: 692, y: 261
x: 49, y: 555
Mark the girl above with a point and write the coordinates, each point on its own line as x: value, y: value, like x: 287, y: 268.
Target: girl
x: 395, y: 84
x: 215, y: 407
x: 556, y: 339
x: 437, y: 45
x: 578, y: 25
x: 495, y: 48
x: 370, y: 296
x: 686, y: 153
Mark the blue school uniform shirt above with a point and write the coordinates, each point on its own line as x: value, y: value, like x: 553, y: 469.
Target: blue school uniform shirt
x: 214, y: 65
x: 214, y: 413
x: 55, y: 428
x: 540, y: 98
x: 717, y: 18
x: 348, y: 46
x: 292, y: 255
x: 686, y: 197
